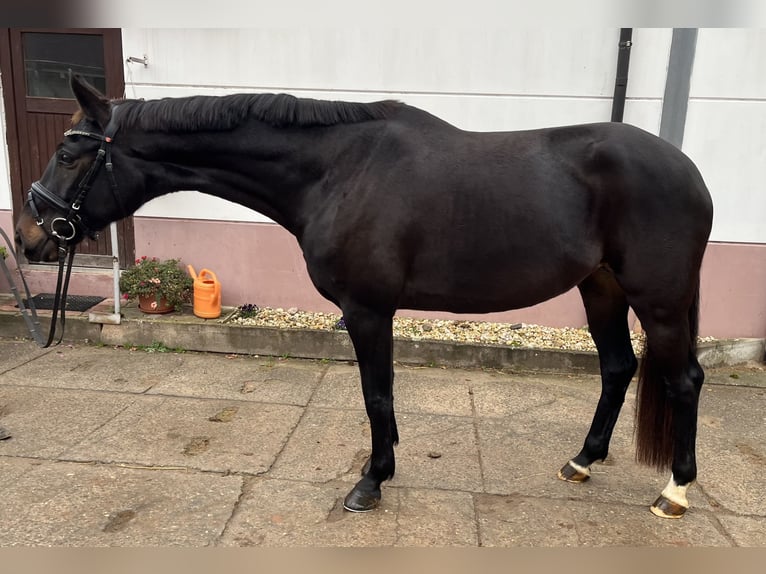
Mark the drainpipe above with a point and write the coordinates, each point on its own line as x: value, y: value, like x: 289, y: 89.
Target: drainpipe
x: 621, y: 80
x: 678, y: 84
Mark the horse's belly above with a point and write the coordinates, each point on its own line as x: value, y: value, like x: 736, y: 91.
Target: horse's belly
x: 492, y: 289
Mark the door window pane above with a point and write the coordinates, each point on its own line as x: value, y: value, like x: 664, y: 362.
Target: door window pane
x: 49, y: 57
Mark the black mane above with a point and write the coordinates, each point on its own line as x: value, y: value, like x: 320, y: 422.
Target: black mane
x: 213, y: 113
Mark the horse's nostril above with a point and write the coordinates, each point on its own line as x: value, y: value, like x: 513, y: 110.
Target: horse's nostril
x: 17, y: 237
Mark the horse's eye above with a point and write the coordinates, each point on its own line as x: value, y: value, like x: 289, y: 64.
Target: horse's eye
x: 65, y: 159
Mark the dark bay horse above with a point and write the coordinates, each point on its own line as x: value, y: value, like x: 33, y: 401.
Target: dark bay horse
x: 395, y: 208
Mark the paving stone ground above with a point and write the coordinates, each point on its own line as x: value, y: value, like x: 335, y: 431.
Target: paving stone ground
x: 113, y: 447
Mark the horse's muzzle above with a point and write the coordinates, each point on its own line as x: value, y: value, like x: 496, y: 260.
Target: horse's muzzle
x: 34, y: 242
x: 48, y: 252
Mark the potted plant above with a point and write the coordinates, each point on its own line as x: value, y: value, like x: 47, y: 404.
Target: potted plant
x: 159, y: 286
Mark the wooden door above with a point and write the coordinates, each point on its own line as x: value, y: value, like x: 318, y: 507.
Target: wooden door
x: 35, y: 65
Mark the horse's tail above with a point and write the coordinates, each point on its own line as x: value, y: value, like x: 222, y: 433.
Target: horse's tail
x: 654, y: 414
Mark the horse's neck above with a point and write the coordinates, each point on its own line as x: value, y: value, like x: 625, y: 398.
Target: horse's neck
x: 265, y: 169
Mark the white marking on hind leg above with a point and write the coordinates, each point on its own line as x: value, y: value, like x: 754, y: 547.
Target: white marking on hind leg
x: 581, y: 469
x: 672, y: 503
x: 573, y: 472
x: 676, y: 493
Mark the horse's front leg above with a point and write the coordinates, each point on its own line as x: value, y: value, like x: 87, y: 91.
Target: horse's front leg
x: 371, y: 334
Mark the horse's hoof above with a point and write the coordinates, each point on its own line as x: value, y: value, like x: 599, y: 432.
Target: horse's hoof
x: 362, y: 499
x: 355, y: 502
x: 572, y: 472
x: 4, y: 434
x: 665, y: 508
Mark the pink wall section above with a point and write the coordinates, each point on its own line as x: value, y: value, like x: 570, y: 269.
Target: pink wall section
x: 6, y: 222
x: 733, y: 290
x: 262, y: 264
x: 255, y: 263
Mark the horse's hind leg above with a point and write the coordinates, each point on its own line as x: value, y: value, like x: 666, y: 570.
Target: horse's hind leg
x: 672, y: 502
x: 667, y: 405
x: 670, y: 379
x: 607, y: 312
x: 371, y: 333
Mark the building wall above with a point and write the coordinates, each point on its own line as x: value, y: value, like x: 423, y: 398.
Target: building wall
x: 5, y: 173
x: 6, y: 216
x: 491, y: 80
x: 477, y: 81
x: 496, y: 80
x: 726, y: 137
x: 726, y: 129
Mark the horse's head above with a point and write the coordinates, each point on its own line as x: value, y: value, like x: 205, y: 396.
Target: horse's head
x: 77, y: 194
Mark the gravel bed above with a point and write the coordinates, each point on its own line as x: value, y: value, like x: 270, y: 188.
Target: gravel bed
x: 514, y: 335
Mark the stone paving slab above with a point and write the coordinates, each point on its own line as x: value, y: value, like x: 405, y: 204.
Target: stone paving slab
x: 188, y: 458
x: 748, y: 531
x: 506, y: 396
x: 518, y: 521
x: 406, y: 517
x: 512, y: 462
x: 436, y: 518
x: 12, y: 468
x: 17, y: 353
x: 66, y: 504
x: 45, y: 422
x: 327, y: 444
x: 95, y: 368
x: 340, y: 445
x: 241, y: 378
x: 166, y: 431
x: 415, y: 391
x: 296, y: 513
x: 732, y: 447
x: 745, y: 375
x: 438, y: 452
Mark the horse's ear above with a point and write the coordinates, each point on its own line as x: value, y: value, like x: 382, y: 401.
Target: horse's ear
x: 92, y: 103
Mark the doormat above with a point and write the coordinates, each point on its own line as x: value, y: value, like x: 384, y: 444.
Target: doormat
x: 73, y: 302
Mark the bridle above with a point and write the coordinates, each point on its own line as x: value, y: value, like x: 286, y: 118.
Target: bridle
x: 65, y: 229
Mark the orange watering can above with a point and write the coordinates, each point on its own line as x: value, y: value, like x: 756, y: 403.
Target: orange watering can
x: 207, y: 294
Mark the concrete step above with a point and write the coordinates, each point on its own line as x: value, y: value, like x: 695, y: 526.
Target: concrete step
x: 185, y: 331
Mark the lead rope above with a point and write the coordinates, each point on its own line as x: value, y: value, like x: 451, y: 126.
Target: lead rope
x: 28, y: 311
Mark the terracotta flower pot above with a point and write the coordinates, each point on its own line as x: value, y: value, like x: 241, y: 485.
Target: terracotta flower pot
x: 150, y: 304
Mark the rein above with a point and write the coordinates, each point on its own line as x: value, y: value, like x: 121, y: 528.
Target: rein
x: 29, y: 312
x: 64, y: 230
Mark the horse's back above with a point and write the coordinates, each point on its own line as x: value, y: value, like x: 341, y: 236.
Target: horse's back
x: 475, y: 222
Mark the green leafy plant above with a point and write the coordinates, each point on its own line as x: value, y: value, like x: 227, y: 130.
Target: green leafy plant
x: 160, y: 279
x: 155, y: 347
x: 247, y: 311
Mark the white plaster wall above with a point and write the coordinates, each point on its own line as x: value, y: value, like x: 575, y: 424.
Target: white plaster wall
x: 6, y: 200
x: 535, y: 61
x: 730, y: 64
x: 483, y: 80
x: 649, y: 63
x: 466, y: 111
x: 646, y: 77
x: 726, y: 129
x: 477, y: 80
x: 549, y: 67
